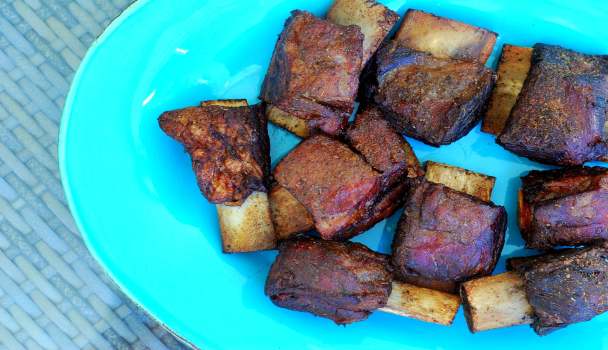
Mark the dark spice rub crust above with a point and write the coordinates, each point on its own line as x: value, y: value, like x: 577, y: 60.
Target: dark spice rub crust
x: 229, y: 147
x: 388, y: 153
x: 560, y: 115
x: 382, y: 147
x: 446, y: 237
x: 334, y: 183
x: 564, y: 207
x: 435, y: 100
x: 567, y: 287
x: 349, y: 187
x: 314, y: 71
x: 342, y: 281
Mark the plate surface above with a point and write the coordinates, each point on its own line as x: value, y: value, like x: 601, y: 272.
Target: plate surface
x: 134, y: 197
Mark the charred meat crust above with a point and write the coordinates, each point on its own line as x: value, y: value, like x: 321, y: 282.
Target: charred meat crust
x: 335, y: 184
x: 229, y: 148
x: 566, y: 287
x: 387, y: 203
x: 388, y: 153
x: 522, y: 263
x: 321, y: 173
x: 560, y: 115
x: 434, y: 100
x: 446, y: 237
x: 564, y: 207
x: 314, y: 71
x: 382, y: 147
x: 341, y: 281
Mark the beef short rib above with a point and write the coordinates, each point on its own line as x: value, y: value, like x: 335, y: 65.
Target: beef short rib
x: 435, y: 100
x: 560, y: 115
x: 567, y: 287
x: 349, y: 186
x: 446, y: 237
x: 314, y: 72
x: 229, y: 148
x: 564, y: 207
x: 341, y: 281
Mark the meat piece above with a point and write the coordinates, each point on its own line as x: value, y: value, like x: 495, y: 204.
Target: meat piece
x: 445, y: 38
x: 549, y: 291
x: 388, y: 153
x: 229, y: 147
x: 335, y: 184
x: 567, y: 288
x: 314, y: 72
x: 382, y: 147
x: 446, y: 237
x: 521, y: 263
x: 322, y: 175
x: 344, y: 282
x: 434, y: 100
x: 564, y: 207
x: 560, y: 115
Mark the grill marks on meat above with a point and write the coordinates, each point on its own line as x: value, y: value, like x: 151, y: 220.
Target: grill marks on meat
x: 446, y: 237
x: 229, y: 148
x: 566, y: 288
x: 564, y: 207
x: 431, y: 99
x: 560, y: 115
x: 314, y: 71
x: 341, y: 281
x: 335, y: 184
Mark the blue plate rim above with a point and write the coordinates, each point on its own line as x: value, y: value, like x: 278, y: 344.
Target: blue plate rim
x: 64, y: 174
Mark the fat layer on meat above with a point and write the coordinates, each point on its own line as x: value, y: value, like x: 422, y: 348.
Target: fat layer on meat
x: 435, y: 100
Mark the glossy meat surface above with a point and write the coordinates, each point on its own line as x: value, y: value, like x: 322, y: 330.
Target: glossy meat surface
x: 446, y: 237
x: 566, y: 288
x: 229, y: 148
x: 564, y: 207
x: 560, y: 115
x: 435, y: 100
x: 341, y: 281
x: 314, y: 71
x: 334, y: 183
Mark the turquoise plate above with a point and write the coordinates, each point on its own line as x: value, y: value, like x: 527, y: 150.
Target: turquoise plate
x: 135, y: 199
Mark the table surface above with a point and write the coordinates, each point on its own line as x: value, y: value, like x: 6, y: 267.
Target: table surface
x: 53, y: 295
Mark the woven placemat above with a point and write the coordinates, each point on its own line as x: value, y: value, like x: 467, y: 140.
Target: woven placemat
x: 53, y: 295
